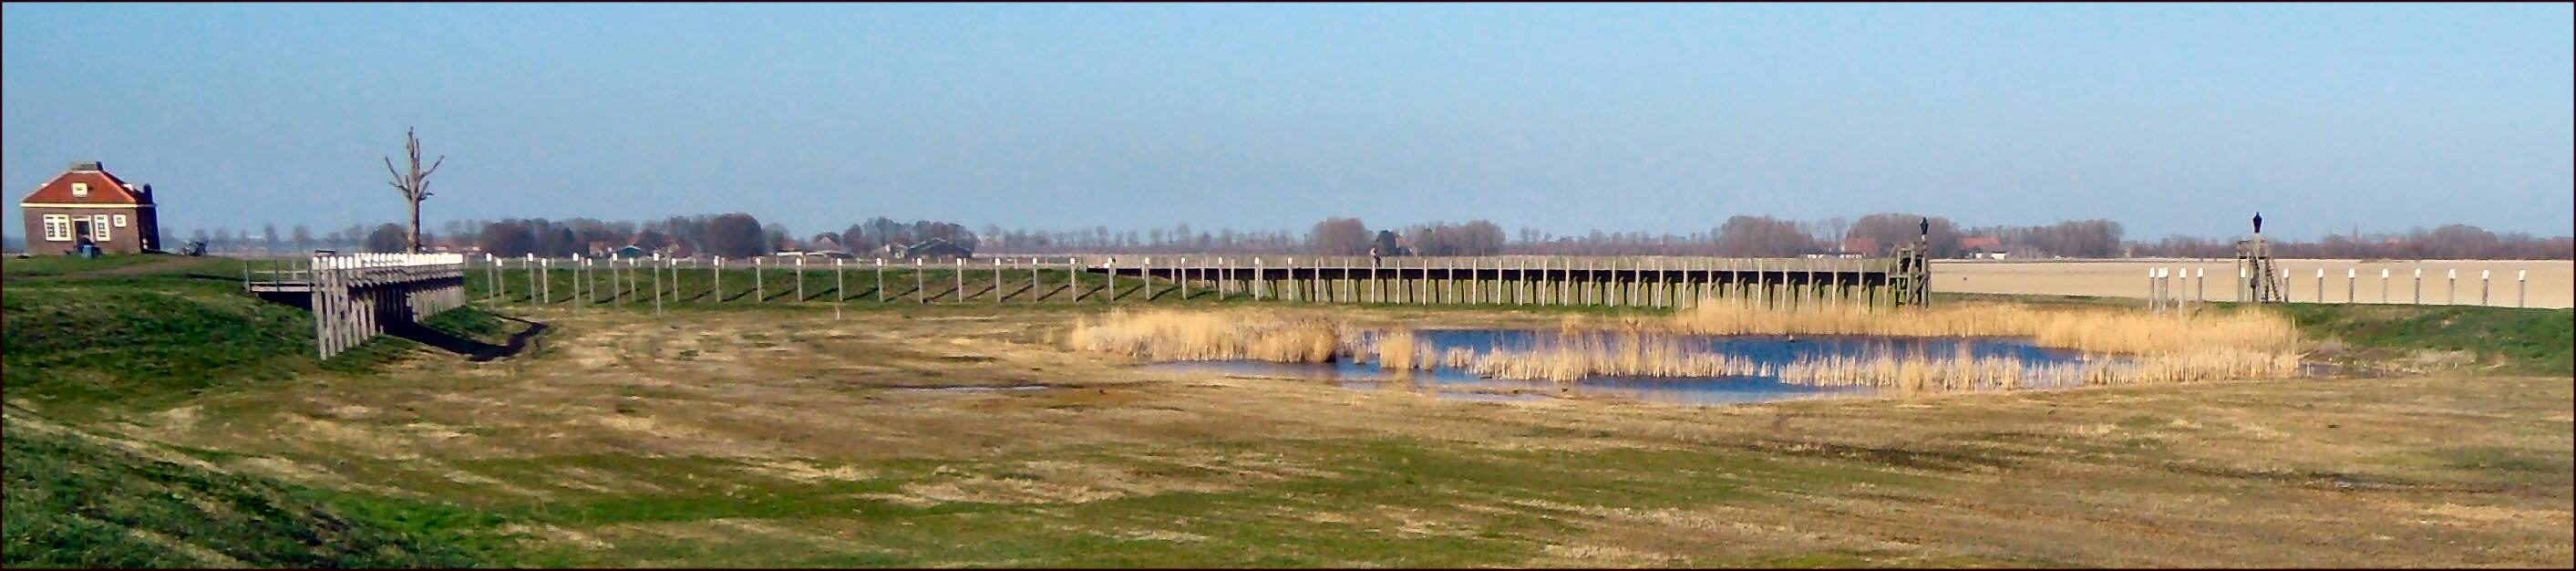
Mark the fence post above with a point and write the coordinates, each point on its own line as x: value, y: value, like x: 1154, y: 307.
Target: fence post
x: 961, y: 280
x: 2455, y: 287
x: 2151, y: 289
x: 2482, y: 286
x: 2351, y: 285
x: 841, y: 292
x: 530, y: 264
x: 920, y: 282
x: 2383, y: 285
x: 2419, y: 286
x: 657, y: 284
x: 997, y: 281
x: 2321, y: 285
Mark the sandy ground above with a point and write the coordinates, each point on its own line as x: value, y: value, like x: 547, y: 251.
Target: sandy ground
x: 2552, y: 284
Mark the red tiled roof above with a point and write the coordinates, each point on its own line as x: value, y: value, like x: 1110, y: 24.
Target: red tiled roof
x: 1862, y: 245
x: 1973, y: 242
x: 104, y: 188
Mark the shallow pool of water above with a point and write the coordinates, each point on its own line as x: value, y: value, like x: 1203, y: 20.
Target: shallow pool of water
x: 1449, y: 383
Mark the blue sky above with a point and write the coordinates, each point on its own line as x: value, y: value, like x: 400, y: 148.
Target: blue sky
x: 1566, y: 118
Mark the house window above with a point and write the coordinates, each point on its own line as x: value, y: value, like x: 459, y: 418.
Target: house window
x: 120, y: 221
x: 80, y: 189
x: 98, y: 230
x: 58, y: 228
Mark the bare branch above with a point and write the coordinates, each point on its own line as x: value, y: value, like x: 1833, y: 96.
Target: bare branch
x: 433, y: 167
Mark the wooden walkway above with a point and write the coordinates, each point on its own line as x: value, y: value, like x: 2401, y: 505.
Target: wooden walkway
x: 1603, y: 281
x: 356, y: 297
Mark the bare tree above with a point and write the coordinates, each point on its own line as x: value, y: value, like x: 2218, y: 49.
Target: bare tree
x: 414, y: 186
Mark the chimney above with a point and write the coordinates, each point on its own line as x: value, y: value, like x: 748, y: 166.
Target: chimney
x: 88, y: 166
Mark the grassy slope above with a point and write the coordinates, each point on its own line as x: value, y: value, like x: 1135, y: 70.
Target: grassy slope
x: 2530, y: 341
x: 73, y: 501
x: 84, y: 348
x: 43, y: 266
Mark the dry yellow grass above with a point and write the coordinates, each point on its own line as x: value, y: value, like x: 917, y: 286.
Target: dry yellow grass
x: 1631, y: 352
x: 2101, y: 330
x: 1164, y: 335
x: 1968, y: 373
x: 2170, y: 346
x: 1395, y: 352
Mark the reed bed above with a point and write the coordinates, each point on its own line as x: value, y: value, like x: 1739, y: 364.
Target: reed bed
x: 1569, y: 357
x: 1915, y: 374
x: 1165, y: 335
x: 1395, y: 352
x: 2094, y: 330
x: 2155, y: 347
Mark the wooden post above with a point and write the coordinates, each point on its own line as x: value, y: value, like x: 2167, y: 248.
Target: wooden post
x: 2482, y: 287
x: 2419, y: 286
x: 880, y: 285
x: 716, y: 274
x: 1586, y: 287
x: 657, y: 285
x: 1073, y: 279
x: 2151, y: 289
x: 2383, y: 285
x: 2522, y: 281
x: 920, y: 282
x: 759, y: 288
x: 531, y: 266
x: 840, y: 290
x: 997, y: 281
x: 961, y: 280
x: 1113, y: 280
x: 2455, y: 288
x: 1257, y: 281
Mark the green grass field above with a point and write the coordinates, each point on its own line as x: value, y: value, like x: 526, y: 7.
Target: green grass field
x: 157, y: 420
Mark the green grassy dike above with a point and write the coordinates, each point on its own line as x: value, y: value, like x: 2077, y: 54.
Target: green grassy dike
x: 80, y: 348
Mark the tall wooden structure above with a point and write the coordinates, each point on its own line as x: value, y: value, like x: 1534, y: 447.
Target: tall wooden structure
x: 2258, y: 281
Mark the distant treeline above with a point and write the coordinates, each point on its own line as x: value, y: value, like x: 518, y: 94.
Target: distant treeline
x: 740, y: 235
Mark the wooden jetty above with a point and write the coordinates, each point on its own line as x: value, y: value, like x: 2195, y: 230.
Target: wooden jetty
x: 355, y: 297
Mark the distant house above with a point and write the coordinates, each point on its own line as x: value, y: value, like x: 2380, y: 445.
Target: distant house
x: 1981, y: 244
x: 937, y: 249
x: 86, y: 205
x: 631, y: 252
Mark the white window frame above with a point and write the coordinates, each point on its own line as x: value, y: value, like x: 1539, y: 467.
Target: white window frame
x: 80, y: 189
x: 98, y: 228
x: 120, y: 221
x: 58, y: 228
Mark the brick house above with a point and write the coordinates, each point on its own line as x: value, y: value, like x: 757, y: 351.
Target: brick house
x: 88, y: 205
